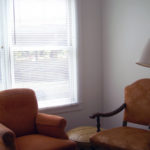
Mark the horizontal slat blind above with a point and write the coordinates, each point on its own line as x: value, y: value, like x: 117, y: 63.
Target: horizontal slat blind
x: 41, y: 49
x: 42, y: 22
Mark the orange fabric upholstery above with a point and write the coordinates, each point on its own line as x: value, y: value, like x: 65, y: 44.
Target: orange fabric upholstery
x: 51, y: 125
x: 18, y: 110
x: 7, y: 138
x: 137, y: 110
x: 123, y: 138
x: 137, y: 99
x: 23, y: 128
x: 41, y: 142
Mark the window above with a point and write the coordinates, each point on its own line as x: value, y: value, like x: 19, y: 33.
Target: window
x: 40, y: 49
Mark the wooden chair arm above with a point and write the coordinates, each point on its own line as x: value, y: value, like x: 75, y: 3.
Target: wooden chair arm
x: 98, y: 115
x: 109, y: 113
x: 7, y: 138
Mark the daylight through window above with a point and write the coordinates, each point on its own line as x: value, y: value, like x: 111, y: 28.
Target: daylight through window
x: 40, y: 49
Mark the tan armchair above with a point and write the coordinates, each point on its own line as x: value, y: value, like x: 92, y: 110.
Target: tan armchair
x: 136, y: 110
x: 23, y: 128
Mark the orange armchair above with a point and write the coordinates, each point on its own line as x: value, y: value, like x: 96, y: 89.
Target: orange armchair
x: 23, y: 128
x: 136, y: 110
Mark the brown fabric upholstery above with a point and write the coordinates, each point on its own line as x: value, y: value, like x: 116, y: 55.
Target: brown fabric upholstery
x: 51, y: 125
x: 7, y: 138
x: 137, y: 99
x: 41, y: 142
x: 137, y: 110
x: 18, y: 110
x: 123, y: 138
x: 25, y: 128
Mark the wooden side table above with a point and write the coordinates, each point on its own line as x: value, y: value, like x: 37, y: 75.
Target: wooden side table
x: 81, y: 136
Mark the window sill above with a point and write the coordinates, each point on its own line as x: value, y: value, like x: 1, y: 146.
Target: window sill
x: 62, y: 109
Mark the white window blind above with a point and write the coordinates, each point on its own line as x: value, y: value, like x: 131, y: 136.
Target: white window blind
x: 41, y: 40
x: 42, y: 22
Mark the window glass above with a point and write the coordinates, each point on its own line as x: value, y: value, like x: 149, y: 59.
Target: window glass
x: 41, y: 49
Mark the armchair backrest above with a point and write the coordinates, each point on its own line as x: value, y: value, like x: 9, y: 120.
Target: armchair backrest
x: 137, y: 99
x: 18, y: 109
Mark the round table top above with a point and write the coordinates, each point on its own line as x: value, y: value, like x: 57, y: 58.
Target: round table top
x: 82, y: 134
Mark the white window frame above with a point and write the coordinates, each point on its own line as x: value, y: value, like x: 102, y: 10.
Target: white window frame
x: 5, y: 59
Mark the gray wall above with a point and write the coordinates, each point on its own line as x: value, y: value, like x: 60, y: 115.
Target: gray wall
x: 125, y: 31
x: 112, y: 35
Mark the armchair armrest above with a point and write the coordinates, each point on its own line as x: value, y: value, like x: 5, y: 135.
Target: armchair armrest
x: 7, y: 138
x: 109, y: 114
x: 51, y: 125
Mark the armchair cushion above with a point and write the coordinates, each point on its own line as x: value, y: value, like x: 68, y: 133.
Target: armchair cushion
x: 137, y: 99
x: 42, y: 142
x: 18, y: 109
x: 123, y: 138
x: 51, y: 125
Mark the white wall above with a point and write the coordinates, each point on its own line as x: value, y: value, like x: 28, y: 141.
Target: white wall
x: 89, y: 63
x: 125, y: 31
x: 107, y: 59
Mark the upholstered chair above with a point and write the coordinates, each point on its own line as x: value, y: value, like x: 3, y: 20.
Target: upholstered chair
x: 136, y: 110
x: 23, y: 128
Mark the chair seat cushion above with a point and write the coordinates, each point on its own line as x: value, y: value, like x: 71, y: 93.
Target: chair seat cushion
x: 41, y: 142
x: 123, y: 138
